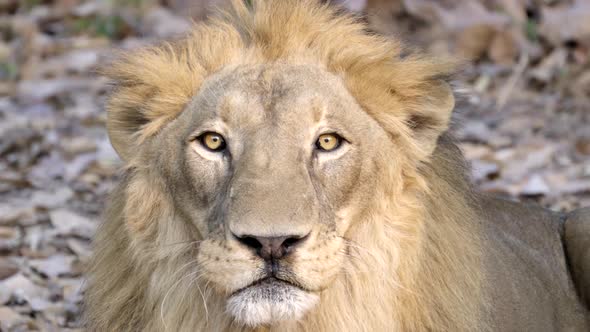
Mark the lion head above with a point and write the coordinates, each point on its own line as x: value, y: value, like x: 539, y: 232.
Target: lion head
x: 275, y: 176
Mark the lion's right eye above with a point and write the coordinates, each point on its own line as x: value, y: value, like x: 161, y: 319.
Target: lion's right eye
x: 212, y: 141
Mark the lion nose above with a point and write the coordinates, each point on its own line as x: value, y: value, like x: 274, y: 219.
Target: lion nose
x: 273, y: 247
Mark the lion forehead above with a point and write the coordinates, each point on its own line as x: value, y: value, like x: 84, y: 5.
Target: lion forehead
x: 250, y: 94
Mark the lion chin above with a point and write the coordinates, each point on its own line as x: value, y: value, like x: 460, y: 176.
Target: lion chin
x: 268, y: 301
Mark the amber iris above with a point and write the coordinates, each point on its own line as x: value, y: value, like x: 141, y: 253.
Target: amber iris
x: 328, y: 142
x: 213, y: 141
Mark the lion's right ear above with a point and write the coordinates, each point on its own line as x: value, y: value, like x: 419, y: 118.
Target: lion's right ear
x: 125, y: 120
x: 150, y: 88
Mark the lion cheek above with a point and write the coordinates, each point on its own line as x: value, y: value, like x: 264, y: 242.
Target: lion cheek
x: 145, y: 206
x: 320, y: 272
x: 226, y: 270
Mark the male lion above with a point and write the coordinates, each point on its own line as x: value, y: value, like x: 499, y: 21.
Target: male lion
x: 287, y: 170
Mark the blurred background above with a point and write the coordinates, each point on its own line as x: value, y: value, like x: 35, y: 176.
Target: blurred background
x: 524, y: 115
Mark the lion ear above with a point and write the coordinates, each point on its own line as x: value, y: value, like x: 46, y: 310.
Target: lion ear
x: 430, y: 117
x: 124, y: 123
x: 138, y: 111
x: 152, y: 86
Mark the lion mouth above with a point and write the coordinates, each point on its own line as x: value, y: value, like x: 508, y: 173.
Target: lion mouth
x: 269, y: 300
x: 268, y: 284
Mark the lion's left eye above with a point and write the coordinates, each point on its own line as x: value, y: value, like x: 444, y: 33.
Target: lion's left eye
x: 328, y: 142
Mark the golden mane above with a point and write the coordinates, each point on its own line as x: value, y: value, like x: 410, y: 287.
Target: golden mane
x: 414, y: 262
x: 290, y: 31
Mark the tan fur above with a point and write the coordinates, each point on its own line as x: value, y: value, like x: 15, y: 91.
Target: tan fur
x: 413, y: 259
x: 159, y: 81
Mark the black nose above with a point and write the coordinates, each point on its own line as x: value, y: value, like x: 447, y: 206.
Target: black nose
x: 274, y: 247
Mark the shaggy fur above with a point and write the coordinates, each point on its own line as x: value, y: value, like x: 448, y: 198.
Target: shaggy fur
x: 413, y: 256
x: 154, y: 84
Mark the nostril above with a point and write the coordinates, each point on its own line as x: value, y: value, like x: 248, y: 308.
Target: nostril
x: 291, y: 241
x: 250, y: 241
x: 270, y: 247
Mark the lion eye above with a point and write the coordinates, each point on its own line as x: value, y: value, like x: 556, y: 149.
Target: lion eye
x: 212, y: 141
x: 328, y: 142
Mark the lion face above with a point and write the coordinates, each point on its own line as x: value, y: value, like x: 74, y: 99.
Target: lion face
x: 272, y: 165
x: 274, y: 162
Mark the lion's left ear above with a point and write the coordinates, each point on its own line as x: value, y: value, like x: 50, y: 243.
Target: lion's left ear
x: 430, y: 115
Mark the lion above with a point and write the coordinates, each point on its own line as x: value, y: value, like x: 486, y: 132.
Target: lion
x: 287, y: 169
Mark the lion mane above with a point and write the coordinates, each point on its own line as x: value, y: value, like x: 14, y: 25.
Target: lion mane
x: 416, y: 260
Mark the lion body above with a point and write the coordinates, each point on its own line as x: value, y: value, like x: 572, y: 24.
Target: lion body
x: 527, y: 272
x: 400, y: 242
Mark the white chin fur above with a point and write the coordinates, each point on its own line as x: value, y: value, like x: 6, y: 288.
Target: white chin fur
x: 267, y: 304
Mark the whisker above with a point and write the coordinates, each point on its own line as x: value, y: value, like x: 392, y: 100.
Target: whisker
x: 182, y: 242
x: 183, y: 267
x: 168, y: 293
x: 202, y: 297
